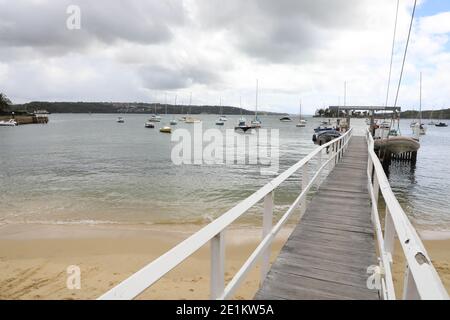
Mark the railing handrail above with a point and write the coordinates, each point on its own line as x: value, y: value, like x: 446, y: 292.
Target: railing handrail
x: 428, y: 284
x: 148, y: 275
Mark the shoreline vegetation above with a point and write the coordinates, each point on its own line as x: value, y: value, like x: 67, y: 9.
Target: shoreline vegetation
x: 34, y: 259
x: 160, y: 108
x: 133, y: 108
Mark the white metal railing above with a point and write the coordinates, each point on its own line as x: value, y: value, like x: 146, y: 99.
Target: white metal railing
x: 421, y: 279
x: 215, y: 231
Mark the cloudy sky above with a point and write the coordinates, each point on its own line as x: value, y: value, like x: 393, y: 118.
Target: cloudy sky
x: 138, y: 50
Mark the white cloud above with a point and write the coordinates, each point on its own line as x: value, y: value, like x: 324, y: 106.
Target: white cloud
x: 217, y: 49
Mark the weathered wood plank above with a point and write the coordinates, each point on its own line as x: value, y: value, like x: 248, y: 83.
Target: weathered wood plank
x: 328, y: 253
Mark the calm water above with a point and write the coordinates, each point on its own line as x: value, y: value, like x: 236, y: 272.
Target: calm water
x: 90, y: 169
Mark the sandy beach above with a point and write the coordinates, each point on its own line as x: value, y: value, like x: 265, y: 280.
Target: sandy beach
x: 34, y: 260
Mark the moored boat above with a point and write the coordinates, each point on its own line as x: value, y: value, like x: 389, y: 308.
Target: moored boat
x: 9, y: 123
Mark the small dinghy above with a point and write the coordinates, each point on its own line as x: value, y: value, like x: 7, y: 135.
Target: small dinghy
x: 120, y: 120
x: 286, y: 119
x: 441, y: 125
x: 166, y: 129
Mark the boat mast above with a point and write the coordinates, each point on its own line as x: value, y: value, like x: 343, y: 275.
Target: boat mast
x: 420, y: 103
x: 256, y: 108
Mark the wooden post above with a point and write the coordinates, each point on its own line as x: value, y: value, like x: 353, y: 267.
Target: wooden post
x: 217, y: 284
x: 267, y: 227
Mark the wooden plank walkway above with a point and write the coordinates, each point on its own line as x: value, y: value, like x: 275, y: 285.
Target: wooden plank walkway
x: 328, y: 253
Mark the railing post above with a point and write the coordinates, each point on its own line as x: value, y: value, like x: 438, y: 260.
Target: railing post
x: 319, y: 164
x: 376, y: 187
x: 409, y: 288
x: 389, y: 234
x: 217, y: 265
x: 305, y: 182
x: 267, y: 227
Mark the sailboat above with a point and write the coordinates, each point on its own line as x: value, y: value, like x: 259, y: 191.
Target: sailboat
x: 190, y: 119
x: 431, y: 123
x: 166, y: 129
x: 256, y: 123
x: 173, y: 122
x: 242, y: 123
x: 419, y: 129
x: 301, y: 122
x: 220, y: 121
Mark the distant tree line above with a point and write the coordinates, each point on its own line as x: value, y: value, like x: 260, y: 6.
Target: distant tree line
x: 115, y: 107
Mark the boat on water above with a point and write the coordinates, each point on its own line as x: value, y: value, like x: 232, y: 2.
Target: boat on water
x: 323, y: 128
x: 182, y: 119
x: 441, y: 125
x: 242, y: 126
x: 166, y: 129
x: 192, y: 120
x: 286, y: 119
x: 397, y: 144
x: 256, y: 123
x: 301, y: 122
x: 419, y: 129
x: 9, y: 123
x: 155, y: 118
x: 149, y: 125
x: 222, y: 118
x: 120, y: 120
x: 173, y: 122
x: 323, y: 137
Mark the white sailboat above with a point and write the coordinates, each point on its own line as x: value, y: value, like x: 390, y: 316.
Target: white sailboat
x: 220, y: 121
x: 419, y: 128
x: 256, y: 123
x: 173, y: 122
x: 166, y: 129
x: 301, y: 122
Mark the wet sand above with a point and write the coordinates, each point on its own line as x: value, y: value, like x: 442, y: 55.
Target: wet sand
x: 34, y: 260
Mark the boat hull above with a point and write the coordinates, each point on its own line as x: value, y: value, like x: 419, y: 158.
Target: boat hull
x: 397, y: 145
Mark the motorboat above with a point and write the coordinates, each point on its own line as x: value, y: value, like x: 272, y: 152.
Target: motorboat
x: 220, y: 122
x: 120, y: 120
x: 223, y: 118
x: 155, y: 118
x: 9, y: 123
x: 323, y: 128
x: 324, y: 137
x: 149, y: 125
x: 173, y: 122
x: 441, y: 125
x: 242, y: 126
x: 286, y: 119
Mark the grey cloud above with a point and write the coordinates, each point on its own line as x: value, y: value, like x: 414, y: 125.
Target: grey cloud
x: 284, y: 30
x: 42, y: 25
x: 172, y: 78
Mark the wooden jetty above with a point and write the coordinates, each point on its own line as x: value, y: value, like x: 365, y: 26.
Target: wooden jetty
x: 338, y: 240
x: 328, y: 253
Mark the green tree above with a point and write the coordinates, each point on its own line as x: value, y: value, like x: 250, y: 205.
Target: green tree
x: 4, y: 102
